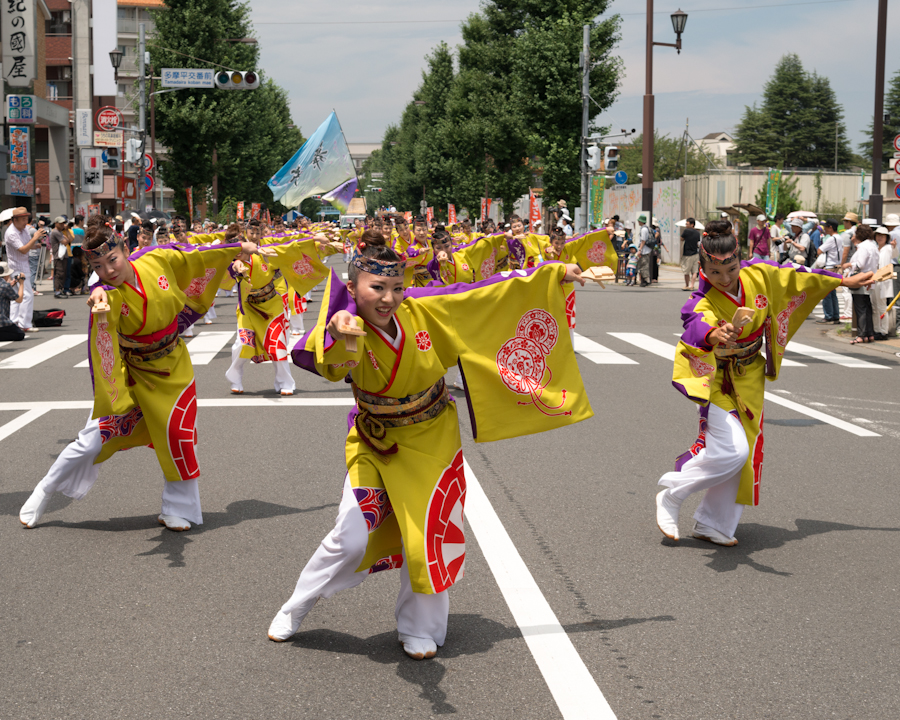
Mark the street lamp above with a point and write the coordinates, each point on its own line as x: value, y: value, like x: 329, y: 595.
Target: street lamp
x: 115, y: 57
x: 679, y: 20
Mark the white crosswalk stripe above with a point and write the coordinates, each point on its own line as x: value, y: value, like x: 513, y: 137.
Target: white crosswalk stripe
x: 664, y: 350
x: 597, y: 353
x: 831, y: 357
x: 44, y: 351
x: 207, y: 344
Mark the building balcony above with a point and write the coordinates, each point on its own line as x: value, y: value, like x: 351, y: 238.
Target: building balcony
x: 129, y: 26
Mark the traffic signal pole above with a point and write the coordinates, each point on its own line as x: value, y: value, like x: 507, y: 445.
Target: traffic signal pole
x: 142, y: 118
x: 585, y: 111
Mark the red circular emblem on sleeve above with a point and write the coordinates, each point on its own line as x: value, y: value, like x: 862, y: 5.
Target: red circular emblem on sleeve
x: 445, y: 543
x: 539, y: 326
x: 124, y: 312
x: 163, y: 282
x: 423, y: 341
x: 762, y: 302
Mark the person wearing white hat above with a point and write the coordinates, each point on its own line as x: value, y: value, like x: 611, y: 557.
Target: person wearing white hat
x: 798, y: 245
x: 883, y: 292
x: 758, y: 239
x: 8, y: 294
x: 864, y: 260
x: 892, y: 223
x: 645, y: 251
x: 18, y: 245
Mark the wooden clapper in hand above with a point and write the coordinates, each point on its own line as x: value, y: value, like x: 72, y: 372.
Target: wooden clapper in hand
x: 350, y: 333
x: 599, y: 274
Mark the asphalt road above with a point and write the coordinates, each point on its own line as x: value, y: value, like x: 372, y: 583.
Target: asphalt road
x: 104, y: 614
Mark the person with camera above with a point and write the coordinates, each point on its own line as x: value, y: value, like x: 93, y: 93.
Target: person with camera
x: 18, y: 246
x: 8, y: 293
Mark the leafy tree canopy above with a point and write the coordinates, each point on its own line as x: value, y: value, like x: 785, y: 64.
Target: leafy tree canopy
x: 891, y: 128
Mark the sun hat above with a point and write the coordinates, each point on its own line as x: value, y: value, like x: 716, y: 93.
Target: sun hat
x: 851, y: 216
x: 20, y: 211
x: 892, y: 219
x: 59, y: 219
x: 5, y: 270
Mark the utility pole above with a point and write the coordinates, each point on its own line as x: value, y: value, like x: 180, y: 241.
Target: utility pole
x: 142, y: 117
x: 585, y: 131
x: 876, y: 200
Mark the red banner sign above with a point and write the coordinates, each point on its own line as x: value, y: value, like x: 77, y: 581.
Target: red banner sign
x: 429, y: 215
x: 485, y: 208
x: 254, y: 211
x: 408, y: 216
x: 240, y: 210
x: 534, y: 213
x: 190, y: 198
x: 451, y: 214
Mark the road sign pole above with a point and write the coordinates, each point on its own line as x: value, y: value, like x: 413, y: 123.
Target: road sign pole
x: 142, y: 116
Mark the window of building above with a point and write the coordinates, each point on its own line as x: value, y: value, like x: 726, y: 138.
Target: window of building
x: 60, y: 23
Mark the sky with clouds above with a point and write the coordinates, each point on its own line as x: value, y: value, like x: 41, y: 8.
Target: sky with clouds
x: 364, y: 60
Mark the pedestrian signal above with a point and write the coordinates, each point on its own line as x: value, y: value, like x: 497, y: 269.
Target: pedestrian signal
x: 593, y: 159
x: 611, y: 157
x: 237, y: 80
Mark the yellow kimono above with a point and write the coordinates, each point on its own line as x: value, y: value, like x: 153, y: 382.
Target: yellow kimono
x: 521, y: 377
x: 473, y: 262
x: 261, y: 310
x: 143, y: 379
x: 734, y: 378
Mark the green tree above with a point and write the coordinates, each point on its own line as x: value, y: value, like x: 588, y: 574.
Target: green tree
x: 796, y: 122
x: 891, y: 128
x: 250, y: 131
x: 668, y: 159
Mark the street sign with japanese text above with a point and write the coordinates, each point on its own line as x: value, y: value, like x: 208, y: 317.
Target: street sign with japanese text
x: 83, y: 131
x: 21, y: 184
x: 18, y: 35
x: 109, y: 139
x: 20, y: 108
x: 188, y: 78
x: 108, y: 118
x: 91, y: 170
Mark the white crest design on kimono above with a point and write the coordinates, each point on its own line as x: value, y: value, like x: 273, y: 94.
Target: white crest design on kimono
x: 522, y: 362
x: 198, y: 284
x: 784, y: 317
x: 107, y: 358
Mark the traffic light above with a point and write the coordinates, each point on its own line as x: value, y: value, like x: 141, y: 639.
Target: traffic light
x: 133, y: 150
x: 611, y: 157
x: 593, y: 159
x: 112, y: 158
x: 237, y: 80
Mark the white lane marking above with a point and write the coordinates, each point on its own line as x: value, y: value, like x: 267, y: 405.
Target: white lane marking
x: 46, y: 350
x: 290, y: 401
x: 207, y: 345
x: 23, y: 420
x: 831, y: 357
x: 785, y: 362
x: 668, y: 351
x: 5, y: 342
x: 597, y: 353
x: 84, y: 363
x: 573, y: 687
x: 645, y: 342
x: 830, y: 419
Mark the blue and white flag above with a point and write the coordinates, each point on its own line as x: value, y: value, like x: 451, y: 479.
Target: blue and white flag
x: 320, y: 166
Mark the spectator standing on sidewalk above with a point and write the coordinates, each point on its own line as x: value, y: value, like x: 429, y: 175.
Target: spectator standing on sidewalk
x: 78, y: 231
x: 850, y: 220
x: 690, y: 253
x: 18, y: 246
x: 865, y: 259
x: 831, y: 248
x: 61, y: 240
x: 883, y: 292
x: 759, y: 239
x: 645, y: 250
x: 797, y: 245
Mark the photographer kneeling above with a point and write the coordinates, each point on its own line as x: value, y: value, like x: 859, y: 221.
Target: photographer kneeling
x: 8, y: 329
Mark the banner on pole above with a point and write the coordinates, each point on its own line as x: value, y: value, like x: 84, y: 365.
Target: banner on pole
x: 19, y: 155
x: 190, y: 199
x: 408, y: 216
x: 595, y: 203
x: 451, y: 214
x: 772, y: 192
x: 240, y: 210
x: 429, y: 215
x: 534, y: 212
x: 254, y: 211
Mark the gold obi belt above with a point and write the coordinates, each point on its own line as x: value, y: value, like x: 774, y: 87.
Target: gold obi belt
x: 136, y: 350
x: 377, y: 414
x: 258, y: 297
x: 733, y: 361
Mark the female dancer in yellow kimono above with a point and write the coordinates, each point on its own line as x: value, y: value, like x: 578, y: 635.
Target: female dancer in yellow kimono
x: 721, y: 368
x: 470, y: 263
x: 404, y: 492
x: 143, y: 379
x: 262, y: 308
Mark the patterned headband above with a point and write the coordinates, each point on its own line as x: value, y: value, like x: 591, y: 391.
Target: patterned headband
x: 385, y: 268
x: 716, y: 260
x: 103, y: 249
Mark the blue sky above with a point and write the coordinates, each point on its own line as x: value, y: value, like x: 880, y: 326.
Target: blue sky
x: 364, y: 63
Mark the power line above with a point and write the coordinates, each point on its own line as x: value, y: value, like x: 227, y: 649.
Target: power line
x: 447, y: 22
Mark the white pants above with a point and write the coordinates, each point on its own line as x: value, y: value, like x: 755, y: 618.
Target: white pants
x: 297, y: 326
x: 74, y: 473
x: 878, y: 307
x: 210, y: 314
x: 716, y: 469
x: 846, y: 302
x: 284, y: 381
x: 333, y: 567
x: 21, y: 313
